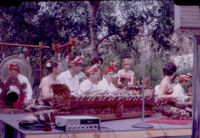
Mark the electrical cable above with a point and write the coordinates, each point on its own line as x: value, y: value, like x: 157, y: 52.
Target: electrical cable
x: 109, y: 129
x: 108, y: 132
x: 61, y: 134
x: 99, y: 133
x: 160, y: 124
x: 34, y: 125
x: 67, y: 134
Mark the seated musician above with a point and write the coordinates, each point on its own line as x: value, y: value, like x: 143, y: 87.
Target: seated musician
x: 157, y: 87
x: 90, y: 84
x: 14, y: 71
x: 106, y: 84
x: 178, y: 90
x: 175, y: 80
x: 189, y: 75
x: 190, y: 87
x: 70, y: 77
x: 98, y: 61
x: 165, y: 103
x: 190, y: 92
x: 81, y: 75
x: 115, y: 64
x: 42, y: 108
x: 126, y: 76
x: 55, y: 68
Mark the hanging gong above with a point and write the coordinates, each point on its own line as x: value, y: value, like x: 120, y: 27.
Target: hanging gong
x: 25, y: 67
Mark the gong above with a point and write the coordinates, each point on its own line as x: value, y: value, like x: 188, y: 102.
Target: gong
x: 25, y: 67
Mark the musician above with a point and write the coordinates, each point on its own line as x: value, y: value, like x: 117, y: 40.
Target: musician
x: 90, y: 84
x: 190, y: 91
x: 189, y: 75
x: 126, y: 75
x: 166, y: 87
x: 190, y: 87
x: 175, y: 80
x: 106, y: 84
x: 70, y: 77
x: 157, y: 88
x: 55, y: 68
x: 98, y: 61
x: 178, y: 90
x: 146, y: 82
x: 166, y: 100
x: 81, y: 75
x: 115, y: 64
x: 14, y: 71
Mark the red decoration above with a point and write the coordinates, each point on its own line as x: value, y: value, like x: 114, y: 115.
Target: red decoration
x: 91, y: 69
x: 189, y: 75
x: 14, y: 67
x: 72, y: 42
x: 3, y: 49
x: 109, y: 69
x: 184, y: 77
x: 58, y: 50
x: 27, y: 52
x: 77, y: 61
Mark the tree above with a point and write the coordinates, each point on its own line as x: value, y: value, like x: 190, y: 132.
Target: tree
x: 101, y: 26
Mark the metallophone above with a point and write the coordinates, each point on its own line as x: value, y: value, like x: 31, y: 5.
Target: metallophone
x: 117, y: 105
x: 105, y: 105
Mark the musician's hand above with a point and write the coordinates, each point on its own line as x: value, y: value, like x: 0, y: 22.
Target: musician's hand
x: 27, y: 102
x: 173, y: 98
x: 130, y: 84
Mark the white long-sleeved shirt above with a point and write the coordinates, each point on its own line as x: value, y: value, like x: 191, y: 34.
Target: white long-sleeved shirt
x: 178, y: 92
x: 105, y: 86
x: 67, y: 79
x: 157, y: 87
x: 87, y: 85
x: 82, y: 76
x: 45, y: 86
x: 28, y: 90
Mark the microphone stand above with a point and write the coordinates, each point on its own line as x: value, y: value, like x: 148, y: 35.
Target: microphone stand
x: 142, y: 124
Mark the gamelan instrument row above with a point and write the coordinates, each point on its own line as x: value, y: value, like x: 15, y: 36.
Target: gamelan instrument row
x: 124, y: 103
x: 120, y: 104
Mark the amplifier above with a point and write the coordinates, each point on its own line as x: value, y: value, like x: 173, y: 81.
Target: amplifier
x: 78, y: 123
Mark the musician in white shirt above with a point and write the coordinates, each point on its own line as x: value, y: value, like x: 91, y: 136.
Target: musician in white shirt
x: 106, y: 84
x: 115, y: 65
x: 97, y: 61
x: 178, y: 90
x: 81, y: 76
x: 70, y: 77
x: 90, y: 84
x: 14, y: 70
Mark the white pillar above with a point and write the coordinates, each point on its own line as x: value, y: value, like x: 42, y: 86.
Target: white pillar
x: 196, y: 88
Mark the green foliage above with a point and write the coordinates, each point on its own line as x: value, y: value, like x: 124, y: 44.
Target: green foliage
x: 54, y: 21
